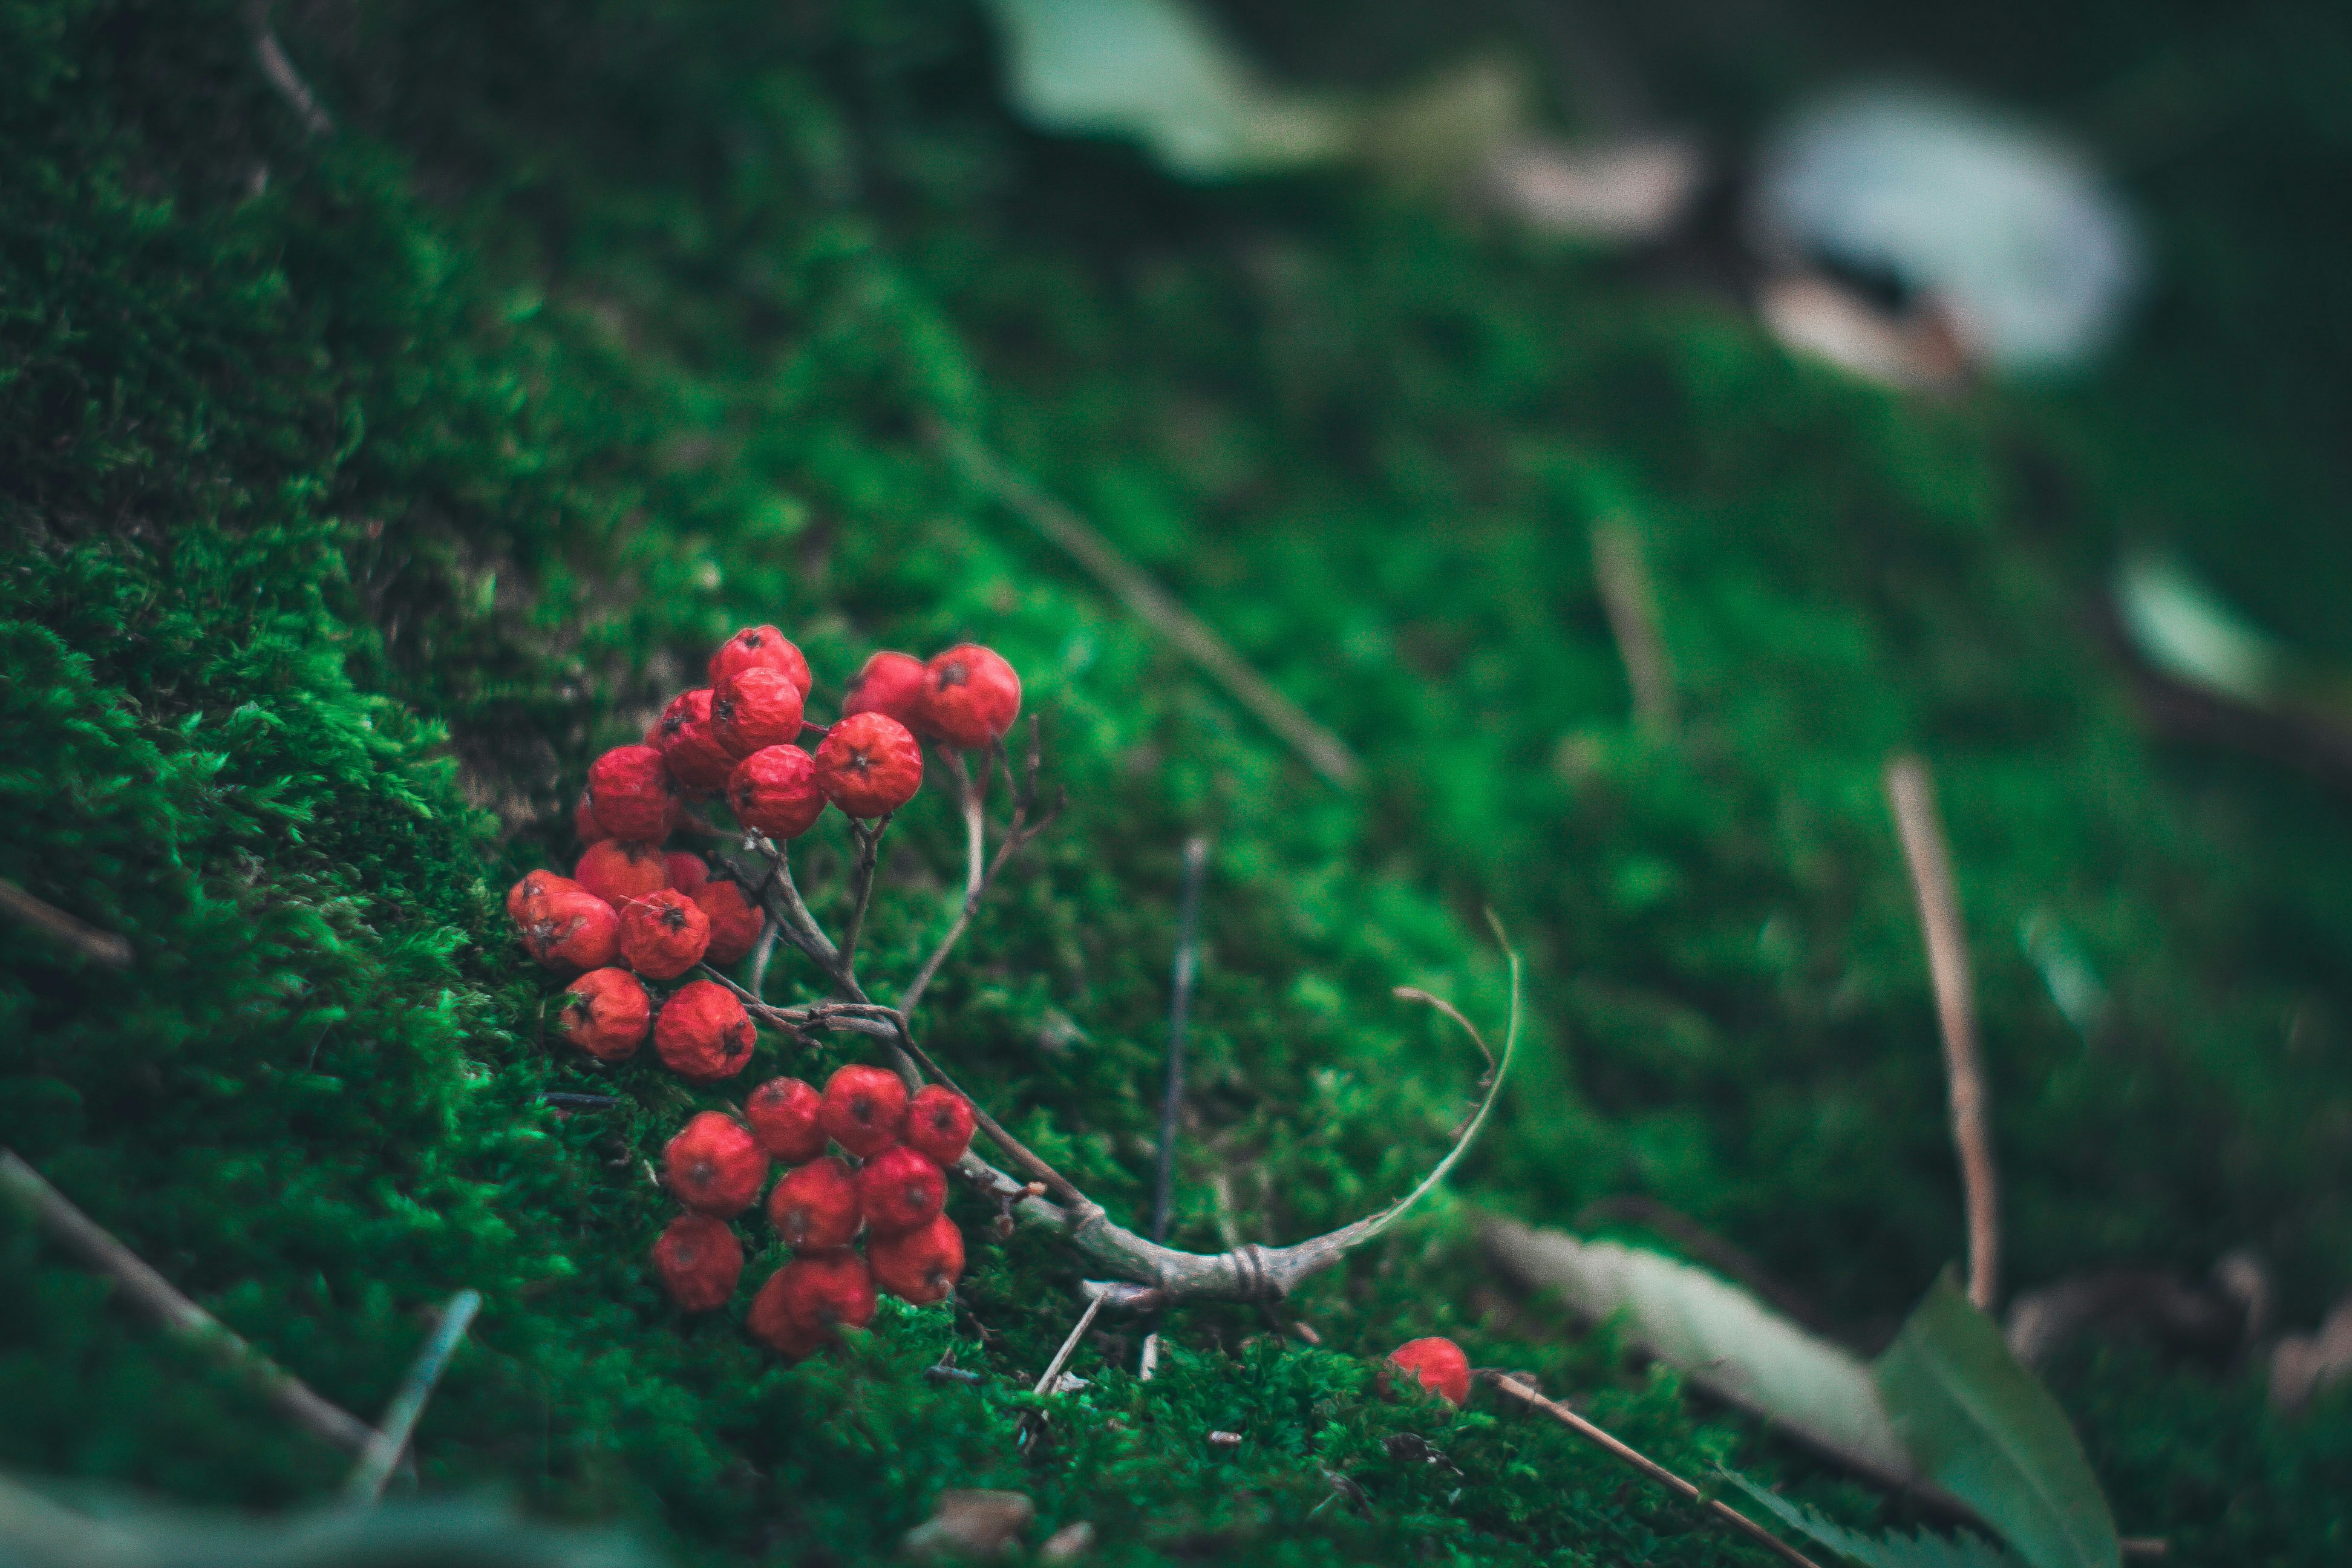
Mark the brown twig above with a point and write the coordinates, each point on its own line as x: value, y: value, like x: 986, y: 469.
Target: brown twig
x: 1688, y: 1491
x: 101, y: 945
x: 1622, y: 577
x: 1912, y: 793
x: 1062, y: 1357
x: 82, y: 1235
x: 1019, y: 830
x: 861, y: 883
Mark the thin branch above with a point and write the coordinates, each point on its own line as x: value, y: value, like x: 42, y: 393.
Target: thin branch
x: 1623, y: 579
x: 82, y: 1235
x: 1179, y: 1006
x: 861, y: 883
x: 1688, y: 1491
x: 1912, y: 793
x: 1416, y: 993
x: 1019, y: 829
x: 1062, y: 1357
x: 971, y: 800
x: 101, y: 945
x: 761, y: 951
x: 279, y: 69
x: 383, y: 1450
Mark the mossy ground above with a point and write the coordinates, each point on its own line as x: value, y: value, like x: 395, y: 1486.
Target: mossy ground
x: 357, y: 488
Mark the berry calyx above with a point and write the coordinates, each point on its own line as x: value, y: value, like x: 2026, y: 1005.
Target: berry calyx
x: 783, y: 1113
x: 606, y: 1013
x: 1439, y: 1365
x: 703, y: 1033
x: 760, y: 647
x: 715, y: 1166
x: 920, y: 1265
x: 817, y: 1205
x: 532, y: 890
x: 891, y: 683
x: 938, y: 1124
x: 734, y: 923
x: 972, y: 697
x: 687, y: 872
x: 864, y: 1108
x: 570, y: 928
x: 631, y: 793
x: 689, y: 745
x: 900, y: 1191
x: 759, y: 707
x: 775, y: 791
x: 869, y: 764
x: 619, y: 869
x: 663, y: 934
x: 699, y: 1261
x: 584, y: 826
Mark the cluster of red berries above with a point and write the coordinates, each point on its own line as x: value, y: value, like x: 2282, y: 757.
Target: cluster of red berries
x: 896, y: 1195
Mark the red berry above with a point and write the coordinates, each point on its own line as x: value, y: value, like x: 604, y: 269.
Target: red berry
x: 1440, y: 1367
x: 817, y: 1205
x: 770, y: 1321
x: 620, y: 869
x: 900, y: 1191
x: 971, y: 698
x: 632, y: 793
x: 531, y: 890
x: 921, y: 1266
x: 869, y: 764
x: 829, y: 1289
x: 938, y: 1124
x: 715, y: 1166
x: 703, y: 1033
x: 699, y: 1261
x: 864, y: 1109
x: 758, y: 708
x: 663, y: 934
x: 734, y: 923
x: 890, y: 683
x: 760, y: 647
x: 687, y: 872
x: 585, y: 826
x: 572, y: 927
x: 773, y: 790
x: 606, y: 1013
x: 689, y: 745
x: 784, y: 1114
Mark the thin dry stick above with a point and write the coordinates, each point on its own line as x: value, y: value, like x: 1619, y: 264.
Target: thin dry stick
x: 861, y: 882
x: 102, y: 945
x: 1622, y: 576
x: 971, y: 799
x: 1062, y: 1356
x: 279, y: 69
x: 79, y: 1233
x: 1179, y: 1006
x: 383, y: 1450
x: 1723, y: 1513
x: 761, y: 954
x: 1323, y: 751
x: 1912, y: 793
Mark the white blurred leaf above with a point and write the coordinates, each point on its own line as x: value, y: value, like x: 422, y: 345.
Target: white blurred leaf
x: 2183, y: 628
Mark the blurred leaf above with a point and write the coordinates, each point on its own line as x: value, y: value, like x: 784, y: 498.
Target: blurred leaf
x: 1893, y: 1549
x: 2179, y: 625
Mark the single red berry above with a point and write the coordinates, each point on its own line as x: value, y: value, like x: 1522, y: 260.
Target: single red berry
x: 817, y: 1205
x: 920, y: 1265
x: 869, y: 764
x: 773, y: 790
x: 687, y: 871
x: 606, y: 1013
x: 890, y: 683
x: 584, y: 826
x: 771, y: 1321
x: 760, y: 647
x: 972, y: 697
x: 783, y: 1113
x: 690, y: 744
x: 572, y: 927
x: 703, y: 1033
x: 699, y: 1261
x: 759, y: 707
x: 734, y: 923
x: 632, y: 793
x: 527, y: 894
x: 1440, y: 1367
x: 829, y: 1289
x: 864, y: 1108
x: 663, y: 934
x: 900, y: 1190
x: 620, y: 869
x: 715, y: 1166
x: 938, y: 1124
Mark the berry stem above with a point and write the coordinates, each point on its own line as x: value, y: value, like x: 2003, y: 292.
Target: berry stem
x: 861, y: 884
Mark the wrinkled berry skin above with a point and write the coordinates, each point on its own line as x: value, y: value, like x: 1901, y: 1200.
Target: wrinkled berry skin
x: 869, y: 764
x: 900, y: 1191
x: 703, y: 1033
x: 606, y: 1013
x: 1439, y: 1365
x: 689, y: 745
x: 714, y: 1166
x: 972, y: 697
x: 631, y: 792
x: 760, y: 648
x: 734, y: 923
x: 533, y: 889
x: 920, y: 1265
x: 865, y: 1108
x: 758, y: 708
x: 699, y: 1261
x: 584, y: 826
x: 804, y: 1301
x: 891, y: 683
x: 620, y: 869
x: 783, y: 1113
x: 687, y: 872
x: 817, y: 1205
x: 775, y: 791
x: 663, y: 934
x: 572, y: 927
x: 938, y: 1124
